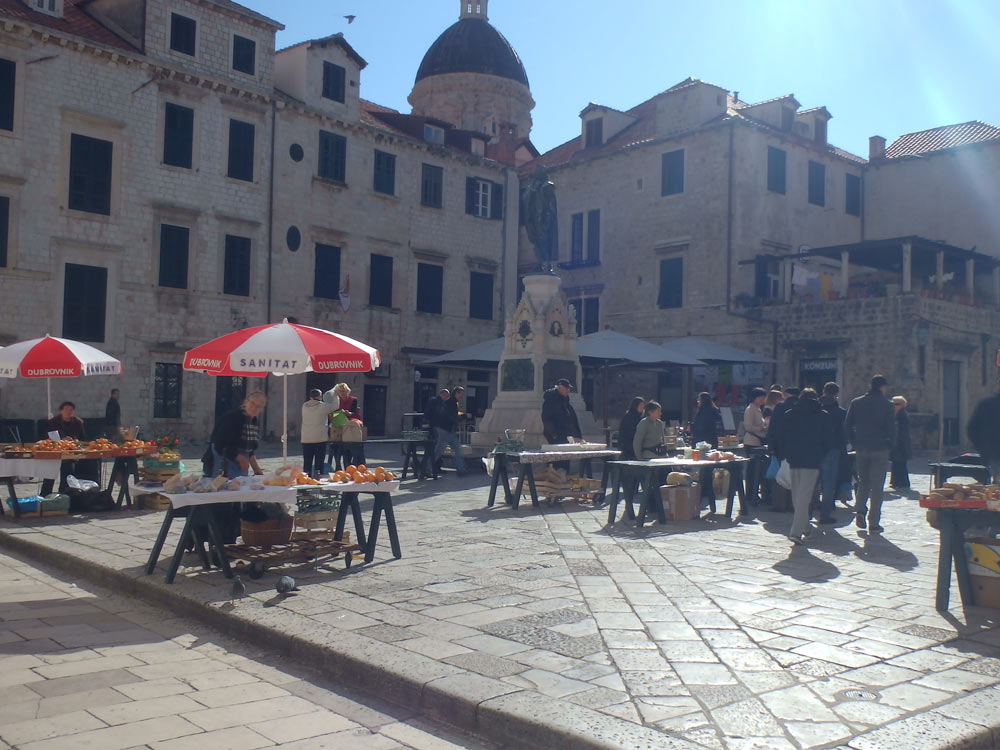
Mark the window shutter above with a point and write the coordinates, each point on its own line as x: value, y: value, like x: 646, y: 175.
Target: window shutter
x: 7, y: 80
x: 594, y: 235
x: 470, y: 195
x: 84, y: 302
x: 762, y: 283
x: 496, y: 201
x: 326, y: 273
x: 4, y: 229
x: 178, y: 135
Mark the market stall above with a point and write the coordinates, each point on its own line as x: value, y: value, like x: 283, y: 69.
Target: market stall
x: 525, y: 461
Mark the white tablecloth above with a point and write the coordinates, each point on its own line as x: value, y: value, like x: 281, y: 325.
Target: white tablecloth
x: 30, y: 467
x: 283, y: 495
x: 545, y: 457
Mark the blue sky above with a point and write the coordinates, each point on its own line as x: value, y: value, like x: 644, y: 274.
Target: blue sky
x: 883, y: 67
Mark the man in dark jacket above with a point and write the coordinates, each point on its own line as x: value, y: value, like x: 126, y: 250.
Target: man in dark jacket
x: 559, y: 422
x: 984, y: 431
x: 836, y: 457
x: 869, y: 425
x: 446, y: 422
x: 113, y: 416
x: 775, y: 426
x: 805, y: 439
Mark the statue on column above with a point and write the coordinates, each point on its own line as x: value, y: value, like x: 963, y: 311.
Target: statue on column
x: 541, y: 218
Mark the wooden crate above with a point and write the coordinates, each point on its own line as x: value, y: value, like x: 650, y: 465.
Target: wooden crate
x: 318, y: 525
x: 161, y: 476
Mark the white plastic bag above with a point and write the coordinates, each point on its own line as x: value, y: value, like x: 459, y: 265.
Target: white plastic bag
x: 784, y: 475
x: 84, y: 485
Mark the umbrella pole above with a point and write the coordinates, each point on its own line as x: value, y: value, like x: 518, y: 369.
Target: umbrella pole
x: 605, y: 395
x: 48, y: 395
x: 284, y: 420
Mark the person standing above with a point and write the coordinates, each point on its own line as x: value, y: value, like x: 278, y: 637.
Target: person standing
x: 342, y: 400
x: 705, y: 427
x: 835, y: 460
x: 902, y: 447
x: 559, y: 422
x: 447, y: 430
x: 754, y: 437
x: 68, y: 425
x: 315, y: 431
x: 806, y: 438
x: 869, y: 425
x: 113, y: 417
x: 984, y: 432
x: 629, y: 423
x: 648, y: 439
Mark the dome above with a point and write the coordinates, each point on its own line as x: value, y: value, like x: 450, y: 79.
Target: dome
x: 472, y: 46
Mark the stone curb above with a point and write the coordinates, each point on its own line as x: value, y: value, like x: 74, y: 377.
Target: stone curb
x: 488, y: 708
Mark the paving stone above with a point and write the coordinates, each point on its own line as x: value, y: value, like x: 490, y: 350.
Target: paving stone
x: 797, y: 704
x: 912, y: 697
x: 746, y: 718
x: 834, y: 654
x: 956, y: 680
x: 924, y: 730
x: 714, y: 696
x: 486, y: 664
x: 817, y: 734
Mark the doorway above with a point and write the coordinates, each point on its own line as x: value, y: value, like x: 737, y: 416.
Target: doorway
x: 229, y: 393
x: 373, y: 409
x: 323, y: 381
x: 815, y: 373
x: 951, y: 402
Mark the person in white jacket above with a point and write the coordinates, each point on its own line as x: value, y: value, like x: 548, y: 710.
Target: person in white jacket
x: 315, y: 417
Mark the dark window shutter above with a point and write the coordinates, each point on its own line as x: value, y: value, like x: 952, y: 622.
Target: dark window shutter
x: 594, y: 235
x: 430, y: 288
x: 762, y: 282
x: 852, y: 197
x: 384, y: 173
x: 174, y: 244
x: 432, y: 186
x: 332, y: 156
x: 672, y: 172
x: 671, y: 283
x: 241, y: 150
x: 244, y: 54
x: 595, y: 133
x: 236, y: 274
x: 470, y: 195
x: 90, y: 174
x: 183, y: 32
x: 380, y: 281
x: 334, y: 82
x: 576, y: 231
x: 4, y: 229
x: 85, y: 291
x: 496, y: 201
x: 178, y: 135
x: 817, y: 183
x: 481, y: 295
x: 167, y: 391
x: 591, y: 315
x: 8, y: 78
x: 775, y: 170
x: 326, y: 275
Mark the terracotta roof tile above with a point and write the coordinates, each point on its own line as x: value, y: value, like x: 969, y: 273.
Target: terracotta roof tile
x: 75, y: 22
x: 938, y: 139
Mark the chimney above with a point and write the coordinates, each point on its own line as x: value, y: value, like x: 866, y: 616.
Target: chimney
x: 876, y: 148
x: 474, y: 9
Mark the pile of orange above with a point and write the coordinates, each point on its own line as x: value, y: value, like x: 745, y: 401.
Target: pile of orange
x: 54, y: 446
x: 101, y: 444
x: 138, y: 444
x: 303, y: 478
x: 361, y: 474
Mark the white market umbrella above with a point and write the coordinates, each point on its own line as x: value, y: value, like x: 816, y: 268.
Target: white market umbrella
x: 50, y: 357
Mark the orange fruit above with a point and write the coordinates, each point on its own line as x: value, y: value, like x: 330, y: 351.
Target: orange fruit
x: 362, y: 468
x: 389, y: 476
x: 350, y: 469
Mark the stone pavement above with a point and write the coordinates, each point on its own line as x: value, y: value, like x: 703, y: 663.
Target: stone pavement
x: 83, y: 668
x: 545, y: 627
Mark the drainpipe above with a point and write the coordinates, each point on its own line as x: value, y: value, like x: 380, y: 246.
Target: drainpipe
x: 503, y: 251
x: 270, y: 238
x: 729, y: 261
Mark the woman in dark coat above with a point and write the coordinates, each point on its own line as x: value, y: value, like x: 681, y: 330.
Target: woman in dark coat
x: 626, y: 431
x: 705, y: 427
x: 902, y: 447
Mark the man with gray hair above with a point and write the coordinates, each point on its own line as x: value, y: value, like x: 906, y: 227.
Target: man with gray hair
x: 869, y: 425
x: 315, y: 415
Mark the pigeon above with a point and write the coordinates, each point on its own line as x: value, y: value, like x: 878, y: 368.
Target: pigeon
x: 238, y: 590
x: 285, y: 585
x: 350, y: 19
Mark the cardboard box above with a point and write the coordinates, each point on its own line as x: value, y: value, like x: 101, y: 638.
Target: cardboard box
x: 681, y: 503
x: 984, y: 571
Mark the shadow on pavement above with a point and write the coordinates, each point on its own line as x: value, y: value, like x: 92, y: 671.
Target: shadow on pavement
x: 802, y: 566
x: 879, y: 550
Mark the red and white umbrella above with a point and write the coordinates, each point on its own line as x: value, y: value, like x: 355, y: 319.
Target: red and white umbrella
x: 282, y: 349
x: 51, y: 357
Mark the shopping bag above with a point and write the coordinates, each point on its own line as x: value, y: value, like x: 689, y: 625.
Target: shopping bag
x: 784, y: 475
x: 772, y: 468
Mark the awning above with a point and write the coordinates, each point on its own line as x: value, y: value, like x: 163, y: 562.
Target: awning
x: 713, y: 351
x: 483, y: 354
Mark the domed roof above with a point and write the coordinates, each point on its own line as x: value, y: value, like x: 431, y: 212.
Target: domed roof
x: 472, y: 46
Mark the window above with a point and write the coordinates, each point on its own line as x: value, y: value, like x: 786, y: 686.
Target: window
x: 236, y: 273
x: 182, y: 34
x: 819, y: 133
x: 671, y: 283
x: 8, y: 69
x: 385, y: 173
x: 85, y: 291
x: 326, y: 275
x: 380, y: 281
x: 332, y: 156
x: 483, y: 198
x: 4, y: 229
x: 241, y: 141
x: 432, y: 186
x: 852, y: 195
x: 334, y: 79
x: 787, y: 118
x: 576, y: 239
x: 481, y: 295
x: 672, y: 173
x: 594, y: 133
x: 174, y: 256
x: 244, y: 54
x: 90, y: 174
x: 587, y: 315
x: 433, y: 134
x: 767, y: 278
x: 817, y: 183
x: 594, y: 235
x: 178, y: 135
x: 775, y: 170
x: 430, y: 288
x: 167, y: 391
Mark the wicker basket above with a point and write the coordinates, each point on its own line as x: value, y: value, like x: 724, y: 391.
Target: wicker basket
x: 266, y: 533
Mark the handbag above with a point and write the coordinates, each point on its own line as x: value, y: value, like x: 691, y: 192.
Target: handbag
x: 772, y: 468
x: 784, y: 475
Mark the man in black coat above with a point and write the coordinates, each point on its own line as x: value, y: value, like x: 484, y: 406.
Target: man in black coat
x: 835, y: 460
x: 870, y: 424
x: 775, y: 426
x: 559, y: 422
x: 446, y: 422
x: 984, y: 431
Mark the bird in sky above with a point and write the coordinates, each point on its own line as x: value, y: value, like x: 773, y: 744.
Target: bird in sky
x: 350, y: 19
x: 238, y: 590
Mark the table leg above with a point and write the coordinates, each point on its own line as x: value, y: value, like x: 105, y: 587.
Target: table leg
x: 519, y: 487
x: 605, y: 476
x: 199, y: 547
x: 615, y: 481
x: 407, y: 455
x: 383, y: 503
x: 12, y: 494
x: 530, y: 473
x: 640, y: 519
x: 215, y: 535
x: 350, y: 499
x: 961, y: 566
x: 585, y: 468
x: 160, y: 539
x: 946, y: 535
x: 175, y: 561
x: 631, y: 490
x: 498, y: 462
